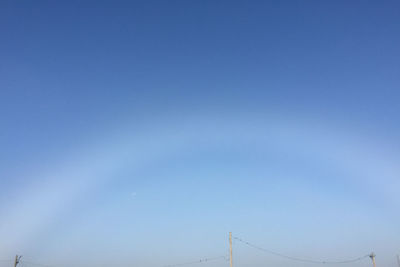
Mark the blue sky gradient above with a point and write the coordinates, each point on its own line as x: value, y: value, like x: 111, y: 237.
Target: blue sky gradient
x: 142, y: 132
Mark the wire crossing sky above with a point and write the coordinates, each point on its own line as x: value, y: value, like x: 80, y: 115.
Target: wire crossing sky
x: 300, y: 259
x: 142, y: 132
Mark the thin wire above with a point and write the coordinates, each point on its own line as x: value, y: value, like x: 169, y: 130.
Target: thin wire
x: 196, y: 262
x: 37, y: 264
x: 299, y: 259
x: 172, y: 265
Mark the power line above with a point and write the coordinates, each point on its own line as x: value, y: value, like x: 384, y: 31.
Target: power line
x: 204, y: 260
x: 37, y: 264
x: 299, y: 259
x: 196, y: 262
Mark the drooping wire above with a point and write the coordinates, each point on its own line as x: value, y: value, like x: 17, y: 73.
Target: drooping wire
x: 196, y: 262
x: 204, y: 260
x: 36, y: 264
x: 299, y: 259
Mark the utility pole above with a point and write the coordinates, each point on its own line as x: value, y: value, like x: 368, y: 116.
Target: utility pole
x: 17, y: 258
x: 372, y: 256
x: 398, y: 259
x: 230, y: 249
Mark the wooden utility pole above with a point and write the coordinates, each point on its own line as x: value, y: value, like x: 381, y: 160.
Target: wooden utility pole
x: 230, y: 249
x: 372, y: 256
x: 17, y: 258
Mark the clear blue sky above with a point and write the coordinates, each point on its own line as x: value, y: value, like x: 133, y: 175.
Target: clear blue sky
x: 142, y: 132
